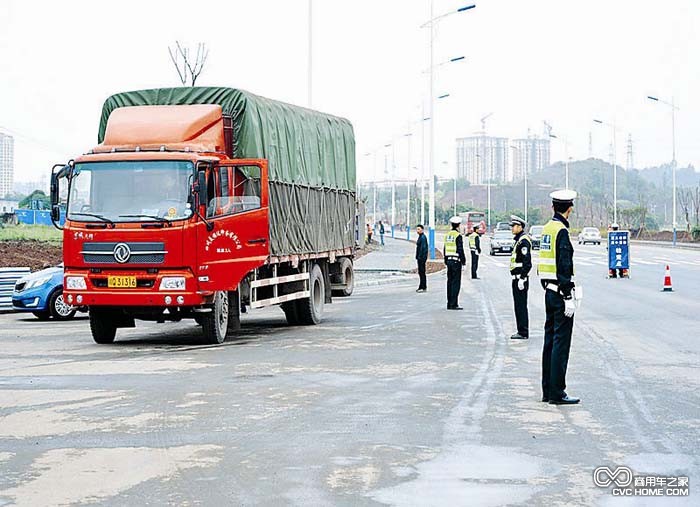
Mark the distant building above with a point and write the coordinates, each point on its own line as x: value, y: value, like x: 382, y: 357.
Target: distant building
x: 7, y: 164
x: 8, y: 206
x: 531, y: 154
x: 482, y: 157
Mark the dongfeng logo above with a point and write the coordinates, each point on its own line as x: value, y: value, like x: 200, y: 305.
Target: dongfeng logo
x: 122, y: 253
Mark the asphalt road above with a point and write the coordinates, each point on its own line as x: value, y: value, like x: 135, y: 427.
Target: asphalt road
x: 392, y: 400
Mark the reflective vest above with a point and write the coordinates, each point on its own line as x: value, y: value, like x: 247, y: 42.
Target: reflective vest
x: 472, y: 240
x: 451, y: 243
x: 513, y: 255
x: 547, y: 267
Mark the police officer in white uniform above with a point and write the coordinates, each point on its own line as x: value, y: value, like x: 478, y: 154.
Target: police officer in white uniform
x: 556, y: 271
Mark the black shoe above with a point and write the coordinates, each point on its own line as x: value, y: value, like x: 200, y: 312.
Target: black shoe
x: 544, y: 399
x: 421, y: 290
x: 455, y: 308
x: 518, y: 336
x: 566, y: 400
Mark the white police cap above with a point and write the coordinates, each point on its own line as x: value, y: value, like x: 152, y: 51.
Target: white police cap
x: 515, y: 219
x: 456, y: 220
x: 563, y: 196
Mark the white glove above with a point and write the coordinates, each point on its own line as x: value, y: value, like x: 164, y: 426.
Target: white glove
x: 569, y: 307
x: 521, y: 283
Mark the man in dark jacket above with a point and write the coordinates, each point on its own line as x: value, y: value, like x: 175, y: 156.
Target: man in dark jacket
x: 421, y: 258
x: 381, y: 232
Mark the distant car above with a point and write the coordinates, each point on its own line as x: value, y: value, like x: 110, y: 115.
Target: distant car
x: 502, y: 226
x: 41, y: 293
x: 536, y: 235
x: 589, y: 235
x: 501, y: 242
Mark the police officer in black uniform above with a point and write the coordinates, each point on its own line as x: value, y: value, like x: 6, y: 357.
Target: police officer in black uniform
x: 520, y: 265
x: 556, y: 271
x: 453, y: 252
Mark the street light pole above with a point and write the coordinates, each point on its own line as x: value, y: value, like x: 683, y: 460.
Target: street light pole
x: 408, y: 186
x: 565, y: 141
x: 431, y: 164
x: 310, y: 57
x: 393, y: 188
x: 673, y: 107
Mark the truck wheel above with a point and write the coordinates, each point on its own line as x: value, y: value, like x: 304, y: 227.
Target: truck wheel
x: 103, y: 326
x: 60, y: 310
x: 348, y: 273
x: 310, y: 310
x: 215, y: 323
x: 290, y: 312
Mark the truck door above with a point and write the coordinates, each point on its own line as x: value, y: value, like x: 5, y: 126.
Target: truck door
x: 237, y: 208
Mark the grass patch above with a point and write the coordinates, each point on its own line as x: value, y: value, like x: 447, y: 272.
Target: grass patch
x: 24, y: 232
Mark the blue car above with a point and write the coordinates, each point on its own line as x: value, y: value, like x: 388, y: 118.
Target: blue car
x: 42, y: 294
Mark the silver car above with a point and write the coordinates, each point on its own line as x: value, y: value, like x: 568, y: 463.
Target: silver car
x: 501, y: 242
x: 589, y: 235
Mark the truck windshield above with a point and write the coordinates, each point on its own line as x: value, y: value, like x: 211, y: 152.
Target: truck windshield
x: 130, y: 191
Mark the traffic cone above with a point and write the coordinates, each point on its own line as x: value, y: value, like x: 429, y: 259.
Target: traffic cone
x: 668, y: 287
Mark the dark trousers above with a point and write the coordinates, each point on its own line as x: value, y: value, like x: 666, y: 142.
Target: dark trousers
x: 520, y: 303
x: 423, y: 284
x: 454, y: 282
x: 475, y: 262
x: 557, y: 342
x: 381, y: 236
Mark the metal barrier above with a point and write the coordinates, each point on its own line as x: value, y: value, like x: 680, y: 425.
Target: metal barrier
x: 8, y: 278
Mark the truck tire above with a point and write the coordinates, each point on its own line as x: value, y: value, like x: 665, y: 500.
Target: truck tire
x: 310, y: 310
x: 60, y: 310
x: 215, y: 323
x: 348, y: 274
x: 290, y: 312
x: 103, y: 326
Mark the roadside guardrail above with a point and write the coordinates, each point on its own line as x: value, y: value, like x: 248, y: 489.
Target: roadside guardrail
x: 8, y: 278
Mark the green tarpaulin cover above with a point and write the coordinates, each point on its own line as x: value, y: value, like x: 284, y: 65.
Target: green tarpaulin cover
x: 302, y: 146
x: 311, y: 159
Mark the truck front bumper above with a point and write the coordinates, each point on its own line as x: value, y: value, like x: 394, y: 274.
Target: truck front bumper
x: 147, y: 293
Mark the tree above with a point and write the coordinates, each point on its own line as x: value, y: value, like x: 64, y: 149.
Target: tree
x: 188, y: 69
x: 36, y: 200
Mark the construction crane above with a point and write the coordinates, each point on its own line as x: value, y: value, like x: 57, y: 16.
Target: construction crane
x: 547, y: 129
x: 483, y: 121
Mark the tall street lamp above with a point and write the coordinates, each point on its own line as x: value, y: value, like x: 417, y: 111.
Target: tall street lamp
x: 431, y: 165
x: 408, y: 186
x: 674, y: 108
x: 524, y: 180
x: 614, y: 138
x: 565, y: 142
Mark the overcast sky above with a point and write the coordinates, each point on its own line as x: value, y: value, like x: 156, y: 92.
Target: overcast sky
x: 564, y: 61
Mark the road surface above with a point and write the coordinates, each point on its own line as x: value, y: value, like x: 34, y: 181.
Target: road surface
x: 391, y: 401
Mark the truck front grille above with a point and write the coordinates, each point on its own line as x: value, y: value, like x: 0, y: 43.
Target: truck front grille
x: 140, y: 253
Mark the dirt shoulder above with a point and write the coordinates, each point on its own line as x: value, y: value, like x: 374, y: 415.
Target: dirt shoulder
x: 34, y: 254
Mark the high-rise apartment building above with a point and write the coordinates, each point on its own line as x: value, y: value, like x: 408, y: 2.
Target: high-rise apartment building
x: 530, y: 154
x: 482, y: 158
x: 7, y: 161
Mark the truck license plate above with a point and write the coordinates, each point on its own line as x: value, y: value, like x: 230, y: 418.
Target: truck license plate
x: 121, y: 282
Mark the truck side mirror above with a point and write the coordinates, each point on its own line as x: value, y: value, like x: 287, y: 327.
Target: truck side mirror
x: 202, y: 188
x: 54, y: 189
x: 55, y: 213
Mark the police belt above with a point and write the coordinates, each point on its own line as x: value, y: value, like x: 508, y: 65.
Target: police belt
x: 452, y: 257
x: 518, y: 277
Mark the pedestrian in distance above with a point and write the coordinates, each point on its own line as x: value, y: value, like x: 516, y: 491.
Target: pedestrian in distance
x: 421, y: 258
x: 520, y: 265
x: 369, y: 234
x: 475, y: 249
x: 453, y: 252
x: 556, y: 271
x: 381, y: 232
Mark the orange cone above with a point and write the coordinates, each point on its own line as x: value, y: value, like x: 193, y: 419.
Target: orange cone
x: 668, y: 287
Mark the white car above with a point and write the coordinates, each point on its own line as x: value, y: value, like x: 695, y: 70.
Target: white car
x: 589, y: 235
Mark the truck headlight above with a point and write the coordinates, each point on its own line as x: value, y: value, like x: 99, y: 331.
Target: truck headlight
x: 75, y: 283
x: 172, y: 283
x: 37, y: 282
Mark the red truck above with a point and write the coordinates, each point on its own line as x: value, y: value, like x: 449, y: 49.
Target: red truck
x: 203, y: 202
